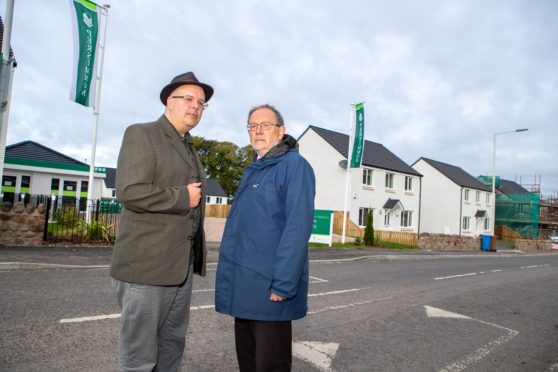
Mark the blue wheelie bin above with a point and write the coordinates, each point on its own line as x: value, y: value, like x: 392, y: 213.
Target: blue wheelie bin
x: 485, y: 242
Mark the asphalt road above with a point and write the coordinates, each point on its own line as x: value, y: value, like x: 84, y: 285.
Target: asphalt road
x: 368, y: 311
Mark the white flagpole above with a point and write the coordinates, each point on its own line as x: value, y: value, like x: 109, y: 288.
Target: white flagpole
x: 6, y: 80
x: 90, y: 188
x: 348, y: 181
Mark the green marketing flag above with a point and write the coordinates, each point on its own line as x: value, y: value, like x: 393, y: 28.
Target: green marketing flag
x: 358, y: 144
x: 85, y: 18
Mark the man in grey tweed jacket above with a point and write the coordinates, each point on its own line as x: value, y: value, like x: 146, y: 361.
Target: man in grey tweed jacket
x: 160, y: 240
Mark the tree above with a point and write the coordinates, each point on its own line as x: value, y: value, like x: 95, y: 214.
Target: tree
x: 369, y: 229
x: 223, y: 161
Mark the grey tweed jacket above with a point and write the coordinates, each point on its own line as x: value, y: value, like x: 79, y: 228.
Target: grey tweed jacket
x: 154, y: 236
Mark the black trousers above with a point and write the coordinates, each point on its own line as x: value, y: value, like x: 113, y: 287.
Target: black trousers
x: 263, y: 346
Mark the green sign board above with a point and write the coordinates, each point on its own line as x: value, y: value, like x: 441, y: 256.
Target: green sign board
x: 322, y: 227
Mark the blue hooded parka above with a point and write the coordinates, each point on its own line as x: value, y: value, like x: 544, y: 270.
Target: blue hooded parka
x: 265, y: 243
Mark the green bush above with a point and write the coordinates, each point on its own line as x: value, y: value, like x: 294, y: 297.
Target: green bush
x: 369, y: 230
x: 67, y: 216
x: 96, y: 230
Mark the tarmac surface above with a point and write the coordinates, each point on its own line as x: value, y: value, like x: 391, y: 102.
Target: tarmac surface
x: 57, y: 256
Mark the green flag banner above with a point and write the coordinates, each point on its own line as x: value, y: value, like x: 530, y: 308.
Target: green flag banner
x: 86, y: 18
x: 358, y: 144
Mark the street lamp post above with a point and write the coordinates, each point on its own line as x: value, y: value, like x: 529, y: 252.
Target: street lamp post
x: 493, y: 222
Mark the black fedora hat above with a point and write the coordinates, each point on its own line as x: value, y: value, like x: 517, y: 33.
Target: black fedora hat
x: 183, y: 79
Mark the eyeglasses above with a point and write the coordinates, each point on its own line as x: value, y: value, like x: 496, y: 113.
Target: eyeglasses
x: 190, y: 101
x: 265, y: 126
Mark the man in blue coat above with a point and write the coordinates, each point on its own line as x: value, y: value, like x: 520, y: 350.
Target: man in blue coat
x: 262, y: 275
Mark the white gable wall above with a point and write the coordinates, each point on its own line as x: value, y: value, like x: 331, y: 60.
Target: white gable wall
x: 444, y: 205
x: 440, y: 201
x: 331, y: 181
x: 330, y: 177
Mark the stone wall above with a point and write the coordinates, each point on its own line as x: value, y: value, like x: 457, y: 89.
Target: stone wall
x: 21, y: 225
x: 441, y: 242
x: 532, y: 245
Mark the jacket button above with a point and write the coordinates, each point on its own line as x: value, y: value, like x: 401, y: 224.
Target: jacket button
x: 191, y: 216
x: 189, y: 237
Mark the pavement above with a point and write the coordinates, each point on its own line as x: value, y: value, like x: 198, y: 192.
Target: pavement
x: 83, y: 257
x: 80, y: 257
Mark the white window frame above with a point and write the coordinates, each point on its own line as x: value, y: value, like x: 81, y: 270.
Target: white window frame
x: 367, y: 177
x: 408, y: 183
x: 477, y: 197
x: 362, y: 214
x: 466, y: 195
x: 466, y: 224
x: 386, y: 219
x: 486, y: 224
x: 218, y: 200
x: 389, y: 180
x: 406, y: 218
x: 487, y: 198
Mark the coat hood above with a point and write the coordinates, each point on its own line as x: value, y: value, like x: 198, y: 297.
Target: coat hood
x: 286, y: 144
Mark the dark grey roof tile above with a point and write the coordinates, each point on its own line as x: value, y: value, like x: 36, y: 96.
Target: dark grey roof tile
x: 457, y: 175
x: 375, y: 154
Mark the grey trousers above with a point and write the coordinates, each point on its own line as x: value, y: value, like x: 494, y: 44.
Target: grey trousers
x: 154, y: 324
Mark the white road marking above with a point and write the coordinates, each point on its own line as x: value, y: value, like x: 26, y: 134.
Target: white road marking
x: 496, y: 271
x: 330, y: 308
x: 533, y: 266
x: 481, y: 352
x: 455, y: 276
x: 204, y: 307
x: 203, y: 290
x: 90, y: 318
x: 319, y: 354
x: 337, y: 292
x: 314, y: 279
x: 434, y: 312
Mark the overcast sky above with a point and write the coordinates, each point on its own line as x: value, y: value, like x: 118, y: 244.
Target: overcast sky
x: 438, y: 77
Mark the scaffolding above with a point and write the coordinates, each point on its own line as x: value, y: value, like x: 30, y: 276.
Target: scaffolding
x: 519, y: 212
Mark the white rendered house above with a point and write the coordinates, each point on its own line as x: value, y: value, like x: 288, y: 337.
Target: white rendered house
x: 384, y: 183
x: 452, y: 201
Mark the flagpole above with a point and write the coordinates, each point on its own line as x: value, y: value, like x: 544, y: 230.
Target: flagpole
x: 90, y: 188
x: 348, y: 180
x: 6, y: 80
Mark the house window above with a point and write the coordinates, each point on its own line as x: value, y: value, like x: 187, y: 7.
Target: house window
x: 54, y: 186
x: 219, y: 200
x: 389, y: 180
x: 367, y: 177
x: 406, y: 218
x: 408, y: 183
x: 208, y: 199
x: 362, y: 215
x: 25, y: 184
x: 466, y: 223
x: 487, y: 223
x: 8, y: 183
x: 477, y: 196
x: 466, y: 195
x: 487, y: 198
x: 386, y: 219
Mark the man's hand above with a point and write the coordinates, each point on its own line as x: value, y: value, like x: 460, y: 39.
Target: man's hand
x: 276, y: 298
x: 194, y: 189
